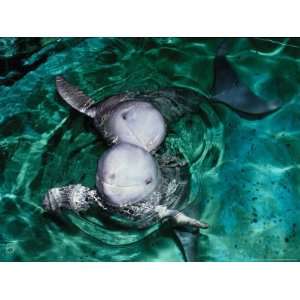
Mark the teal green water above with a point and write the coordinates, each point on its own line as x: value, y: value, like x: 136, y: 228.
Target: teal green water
x: 245, y: 173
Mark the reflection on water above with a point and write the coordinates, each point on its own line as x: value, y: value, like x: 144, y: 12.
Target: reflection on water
x: 244, y: 173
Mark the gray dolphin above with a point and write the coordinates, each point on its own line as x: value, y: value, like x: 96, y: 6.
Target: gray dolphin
x: 129, y: 120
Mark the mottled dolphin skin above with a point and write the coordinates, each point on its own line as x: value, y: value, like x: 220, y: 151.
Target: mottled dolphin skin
x: 119, y: 118
x: 142, y: 124
x: 138, y: 191
x: 129, y: 184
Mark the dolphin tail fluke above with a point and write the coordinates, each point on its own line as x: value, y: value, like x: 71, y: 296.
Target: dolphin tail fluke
x: 228, y: 89
x: 187, y: 242
x: 185, y: 229
x: 75, y: 97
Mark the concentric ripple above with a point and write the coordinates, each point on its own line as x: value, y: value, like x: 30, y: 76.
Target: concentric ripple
x: 195, y: 136
x: 246, y: 181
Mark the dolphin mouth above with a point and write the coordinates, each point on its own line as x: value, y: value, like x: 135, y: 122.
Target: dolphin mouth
x: 120, y: 186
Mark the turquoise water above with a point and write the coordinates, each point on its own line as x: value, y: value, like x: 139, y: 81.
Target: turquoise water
x: 245, y: 173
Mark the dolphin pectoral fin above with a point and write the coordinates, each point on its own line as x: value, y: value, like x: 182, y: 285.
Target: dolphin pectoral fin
x: 75, y: 97
x: 228, y: 89
x: 179, y: 218
x: 76, y: 197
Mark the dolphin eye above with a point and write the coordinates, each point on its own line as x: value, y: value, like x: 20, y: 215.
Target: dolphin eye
x: 148, y: 180
x: 112, y: 176
x: 124, y: 116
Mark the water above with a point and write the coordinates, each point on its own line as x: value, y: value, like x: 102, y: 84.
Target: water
x: 245, y: 173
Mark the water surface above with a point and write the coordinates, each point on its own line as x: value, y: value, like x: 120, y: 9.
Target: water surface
x: 245, y: 173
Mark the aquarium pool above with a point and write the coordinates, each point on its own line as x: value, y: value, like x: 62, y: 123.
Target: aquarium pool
x: 246, y: 186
